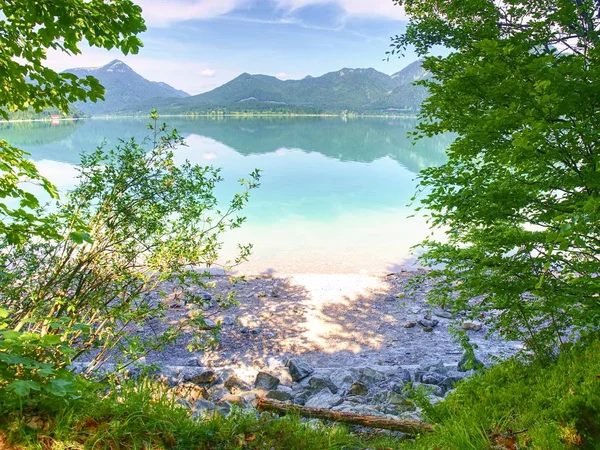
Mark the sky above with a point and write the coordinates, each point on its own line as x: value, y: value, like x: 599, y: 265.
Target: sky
x: 197, y: 45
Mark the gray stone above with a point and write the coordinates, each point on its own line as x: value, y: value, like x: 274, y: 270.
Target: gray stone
x: 266, y: 381
x: 204, y: 405
x: 206, y: 296
x: 224, y: 408
x: 318, y: 383
x: 403, y: 375
x: 439, y: 312
x: 428, y: 329
x: 427, y: 323
x: 465, y: 364
x: 324, y: 399
x: 342, y: 378
x: 410, y: 324
x: 371, y: 376
x: 433, y: 378
x: 235, y: 385
x: 217, y: 393
x: 228, y: 320
x: 449, y: 382
x: 298, y: 369
x: 472, y: 325
x: 358, y: 388
x: 282, y: 396
x: 399, y: 401
x: 198, y: 375
x: 439, y: 367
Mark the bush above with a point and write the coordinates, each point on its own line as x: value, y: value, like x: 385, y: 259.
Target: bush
x: 135, y: 222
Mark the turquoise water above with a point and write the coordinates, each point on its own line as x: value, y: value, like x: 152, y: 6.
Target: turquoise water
x: 333, y: 195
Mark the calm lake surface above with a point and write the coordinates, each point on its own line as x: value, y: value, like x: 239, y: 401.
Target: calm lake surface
x: 334, y: 193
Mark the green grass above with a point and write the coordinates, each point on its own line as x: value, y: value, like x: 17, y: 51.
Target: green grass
x: 552, y: 406
x: 142, y: 417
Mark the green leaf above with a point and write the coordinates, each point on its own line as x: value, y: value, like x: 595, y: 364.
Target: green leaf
x: 22, y: 388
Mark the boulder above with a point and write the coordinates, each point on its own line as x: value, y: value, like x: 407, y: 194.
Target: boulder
x: 433, y: 378
x: 266, y: 381
x: 189, y: 392
x: 403, y: 375
x: 371, y: 376
x: 399, y: 401
x: 358, y: 388
x: 324, y: 399
x: 282, y: 396
x: 342, y: 378
x: 439, y: 312
x: 205, y: 376
x: 318, y: 383
x: 298, y: 369
x: 235, y: 385
x: 472, y: 325
x: 204, y: 405
x: 428, y: 323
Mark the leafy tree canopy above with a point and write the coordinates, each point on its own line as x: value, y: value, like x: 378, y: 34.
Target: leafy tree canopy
x: 29, y: 28
x: 519, y: 195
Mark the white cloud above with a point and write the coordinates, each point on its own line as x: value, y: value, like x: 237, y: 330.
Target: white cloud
x: 364, y: 8
x: 165, y: 12
x: 208, y: 73
x: 282, y: 76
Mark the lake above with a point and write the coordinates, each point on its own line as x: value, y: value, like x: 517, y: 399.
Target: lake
x: 334, y: 194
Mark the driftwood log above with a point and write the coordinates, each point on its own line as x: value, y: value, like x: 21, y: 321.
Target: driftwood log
x: 387, y: 423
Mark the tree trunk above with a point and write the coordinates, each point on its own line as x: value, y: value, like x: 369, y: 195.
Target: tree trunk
x: 406, y: 426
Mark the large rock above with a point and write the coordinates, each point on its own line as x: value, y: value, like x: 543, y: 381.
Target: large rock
x: 358, y: 388
x: 198, y: 375
x: 342, y: 378
x: 204, y: 405
x: 298, y: 369
x: 235, y: 385
x: 403, y: 375
x: 282, y: 396
x: 433, y: 378
x: 266, y: 381
x: 318, y: 383
x: 371, y: 376
x: 472, y: 325
x: 189, y: 392
x: 439, y: 312
x: 428, y: 323
x: 399, y: 401
x: 324, y: 399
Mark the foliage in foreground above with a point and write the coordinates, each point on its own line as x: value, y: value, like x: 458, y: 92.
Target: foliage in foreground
x: 140, y: 415
x: 513, y: 405
x: 528, y: 405
x: 519, y: 195
x: 135, y: 222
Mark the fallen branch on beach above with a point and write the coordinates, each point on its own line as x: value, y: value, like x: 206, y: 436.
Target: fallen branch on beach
x: 387, y: 423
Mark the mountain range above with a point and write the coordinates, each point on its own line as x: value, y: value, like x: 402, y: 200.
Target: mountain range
x: 123, y: 86
x: 357, y: 90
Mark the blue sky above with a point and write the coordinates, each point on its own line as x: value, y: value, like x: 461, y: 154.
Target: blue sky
x: 197, y: 45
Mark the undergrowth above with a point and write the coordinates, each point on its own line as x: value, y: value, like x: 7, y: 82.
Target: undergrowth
x: 514, y: 405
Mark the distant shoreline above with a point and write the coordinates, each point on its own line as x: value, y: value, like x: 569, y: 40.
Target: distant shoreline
x: 112, y: 117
